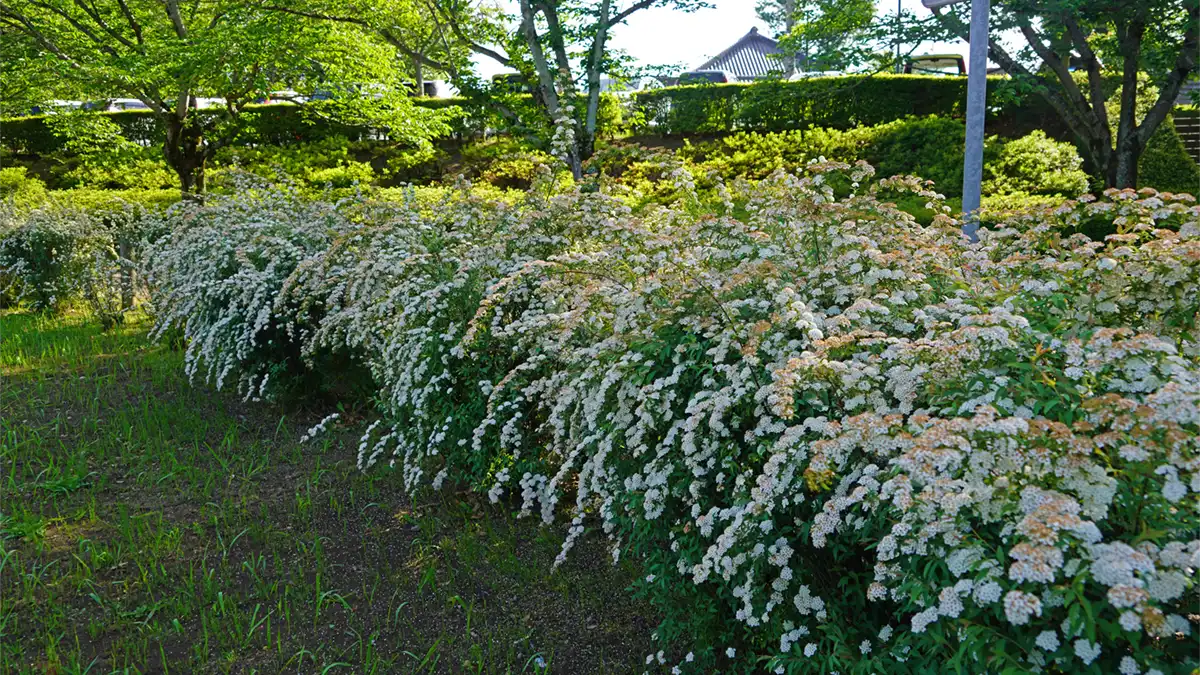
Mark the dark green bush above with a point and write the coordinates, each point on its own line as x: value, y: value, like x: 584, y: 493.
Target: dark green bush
x: 1037, y: 165
x: 1165, y: 165
x: 45, y: 254
x: 931, y: 148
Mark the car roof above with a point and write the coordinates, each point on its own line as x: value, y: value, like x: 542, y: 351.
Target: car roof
x: 939, y: 57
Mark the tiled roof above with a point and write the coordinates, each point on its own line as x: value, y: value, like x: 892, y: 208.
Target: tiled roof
x: 748, y: 58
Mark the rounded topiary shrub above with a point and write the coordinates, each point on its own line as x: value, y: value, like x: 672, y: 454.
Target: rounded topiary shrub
x: 1036, y: 165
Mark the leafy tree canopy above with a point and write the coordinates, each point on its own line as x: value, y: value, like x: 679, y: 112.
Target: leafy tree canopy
x: 169, y: 54
x: 1079, y: 53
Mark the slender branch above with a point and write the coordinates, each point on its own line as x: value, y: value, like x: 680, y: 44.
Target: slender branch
x: 1129, y: 40
x: 103, y: 46
x: 635, y: 7
x: 471, y: 44
x: 1013, y: 67
x: 133, y: 23
x: 95, y: 16
x: 593, y: 71
x: 529, y: 27
x: 411, y: 53
x: 557, y: 43
x: 1095, y: 78
x: 172, y: 7
x: 451, y: 70
x: 1074, y: 96
x: 385, y: 33
x: 22, y: 23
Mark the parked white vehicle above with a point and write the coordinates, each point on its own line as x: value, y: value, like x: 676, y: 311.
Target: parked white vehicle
x: 809, y: 74
x: 441, y: 89
x: 118, y: 104
x: 57, y: 106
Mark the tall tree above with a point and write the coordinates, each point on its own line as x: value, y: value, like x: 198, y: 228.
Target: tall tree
x: 822, y: 34
x: 168, y: 54
x: 1106, y: 40
x: 562, y: 49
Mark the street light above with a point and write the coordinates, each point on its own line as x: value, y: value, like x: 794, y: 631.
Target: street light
x: 976, y: 104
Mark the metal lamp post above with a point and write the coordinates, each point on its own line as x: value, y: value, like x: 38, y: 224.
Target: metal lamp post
x: 976, y: 108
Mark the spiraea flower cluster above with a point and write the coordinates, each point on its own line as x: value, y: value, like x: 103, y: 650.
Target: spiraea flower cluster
x: 57, y: 253
x: 836, y: 439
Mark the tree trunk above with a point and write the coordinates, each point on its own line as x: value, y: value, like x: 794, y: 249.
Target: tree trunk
x: 789, y: 22
x: 186, y: 155
x: 587, y: 144
x: 419, y: 76
x: 1125, y: 165
x: 1124, y: 170
x: 1097, y: 152
x: 546, y: 83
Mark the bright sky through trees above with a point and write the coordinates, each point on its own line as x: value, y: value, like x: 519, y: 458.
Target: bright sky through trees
x: 664, y: 36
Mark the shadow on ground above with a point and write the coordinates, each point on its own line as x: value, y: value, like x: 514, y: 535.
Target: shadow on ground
x: 149, y: 525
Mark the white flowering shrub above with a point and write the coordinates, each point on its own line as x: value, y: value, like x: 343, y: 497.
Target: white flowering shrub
x: 218, y: 273
x: 51, y: 255
x: 59, y: 253
x: 838, y: 440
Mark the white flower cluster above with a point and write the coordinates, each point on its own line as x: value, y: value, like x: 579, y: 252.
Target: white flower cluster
x: 863, y: 435
x: 58, y: 252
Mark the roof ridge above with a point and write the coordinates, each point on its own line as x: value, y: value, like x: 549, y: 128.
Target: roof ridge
x: 753, y: 35
x: 748, y: 58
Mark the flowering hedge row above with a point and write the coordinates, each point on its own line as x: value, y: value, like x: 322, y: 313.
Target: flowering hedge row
x: 836, y: 440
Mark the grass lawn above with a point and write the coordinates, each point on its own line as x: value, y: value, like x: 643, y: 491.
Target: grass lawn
x: 148, y: 525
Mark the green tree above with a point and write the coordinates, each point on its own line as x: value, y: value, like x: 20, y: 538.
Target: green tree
x: 1108, y: 40
x: 561, y: 48
x: 822, y: 34
x: 419, y: 31
x: 169, y: 54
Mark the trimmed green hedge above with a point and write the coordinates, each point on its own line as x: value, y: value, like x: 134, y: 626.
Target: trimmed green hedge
x: 827, y: 102
x: 287, y: 124
x: 265, y: 124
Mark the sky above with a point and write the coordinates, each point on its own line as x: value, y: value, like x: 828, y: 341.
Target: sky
x: 665, y: 36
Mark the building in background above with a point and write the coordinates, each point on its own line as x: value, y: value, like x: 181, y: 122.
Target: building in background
x: 750, y: 58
